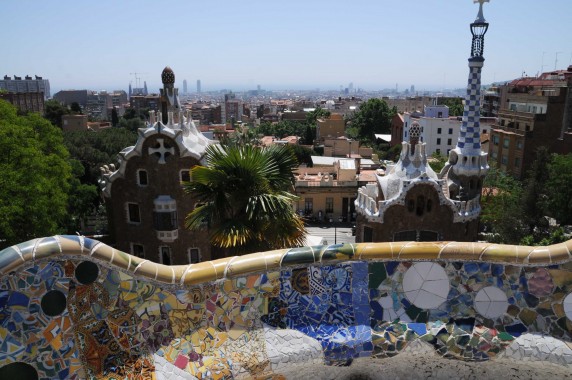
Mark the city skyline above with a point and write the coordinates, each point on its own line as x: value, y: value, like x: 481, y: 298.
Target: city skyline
x: 325, y: 45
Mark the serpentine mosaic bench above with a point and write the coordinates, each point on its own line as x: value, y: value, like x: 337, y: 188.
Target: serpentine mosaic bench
x: 72, y: 307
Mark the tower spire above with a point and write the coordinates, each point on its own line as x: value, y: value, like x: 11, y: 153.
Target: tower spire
x: 467, y: 163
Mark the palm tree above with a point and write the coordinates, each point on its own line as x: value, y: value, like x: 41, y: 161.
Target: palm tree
x: 244, y: 198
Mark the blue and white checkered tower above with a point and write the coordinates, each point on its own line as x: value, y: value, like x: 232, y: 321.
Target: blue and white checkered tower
x: 467, y: 163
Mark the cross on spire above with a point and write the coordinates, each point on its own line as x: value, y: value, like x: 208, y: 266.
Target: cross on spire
x: 480, y: 17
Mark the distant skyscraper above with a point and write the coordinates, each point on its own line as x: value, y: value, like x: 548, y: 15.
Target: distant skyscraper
x: 258, y: 87
x: 145, y: 92
x: 412, y: 91
x: 351, y: 87
x: 198, y: 86
x: 184, y: 86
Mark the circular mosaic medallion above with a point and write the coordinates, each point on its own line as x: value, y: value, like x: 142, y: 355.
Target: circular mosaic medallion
x: 568, y: 306
x: 491, y: 302
x: 53, y: 303
x: 18, y: 370
x: 540, y: 283
x: 300, y: 281
x: 86, y: 272
x: 426, y: 285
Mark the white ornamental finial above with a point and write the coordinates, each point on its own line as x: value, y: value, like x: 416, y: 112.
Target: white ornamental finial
x: 480, y: 17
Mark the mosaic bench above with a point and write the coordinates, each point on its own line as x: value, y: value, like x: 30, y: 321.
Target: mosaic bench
x: 75, y: 308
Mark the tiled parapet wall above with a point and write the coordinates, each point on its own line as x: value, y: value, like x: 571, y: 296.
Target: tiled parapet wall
x: 71, y: 307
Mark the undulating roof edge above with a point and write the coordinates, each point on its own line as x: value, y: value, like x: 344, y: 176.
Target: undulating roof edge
x: 46, y: 248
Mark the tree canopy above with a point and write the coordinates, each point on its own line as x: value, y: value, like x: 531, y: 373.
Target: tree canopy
x: 95, y: 149
x: 54, y: 110
x: 559, y: 188
x: 455, y: 105
x: 502, y: 211
x: 517, y: 213
x: 35, y: 177
x: 244, y: 196
x: 316, y: 114
x: 373, y: 116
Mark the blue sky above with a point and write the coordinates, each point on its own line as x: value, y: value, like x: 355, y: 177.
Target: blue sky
x: 279, y: 44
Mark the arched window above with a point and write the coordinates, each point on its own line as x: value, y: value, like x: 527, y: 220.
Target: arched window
x: 429, y: 205
x: 420, y: 209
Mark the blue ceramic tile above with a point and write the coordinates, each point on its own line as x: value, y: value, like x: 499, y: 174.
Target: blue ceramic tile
x: 419, y: 328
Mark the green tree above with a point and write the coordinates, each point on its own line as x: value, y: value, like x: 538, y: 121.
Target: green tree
x: 373, y: 116
x: 309, y: 134
x: 35, y: 177
x: 245, y: 198
x: 131, y: 124
x: 534, y: 194
x: 83, y: 198
x: 317, y: 113
x: 243, y: 135
x: 54, y: 110
x: 114, y: 117
x: 95, y: 149
x: 282, y: 129
x: 132, y: 113
x: 559, y: 188
x: 437, y: 161
x: 455, y: 106
x: 303, y: 154
x: 502, y: 213
x: 75, y: 108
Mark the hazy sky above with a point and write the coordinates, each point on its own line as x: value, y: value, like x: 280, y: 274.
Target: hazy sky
x: 278, y: 44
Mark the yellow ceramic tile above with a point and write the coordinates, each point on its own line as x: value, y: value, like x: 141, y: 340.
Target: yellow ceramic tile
x: 69, y: 247
x: 559, y: 252
x: 561, y: 278
x: 165, y: 274
x: 200, y: 273
x: 540, y: 256
x: 143, y: 267
x: 371, y: 251
x: 220, y: 266
x: 462, y: 251
x: 121, y: 259
x: 103, y: 252
x: 235, y: 332
x: 274, y: 258
x: 499, y: 253
x: 246, y: 264
x: 420, y: 251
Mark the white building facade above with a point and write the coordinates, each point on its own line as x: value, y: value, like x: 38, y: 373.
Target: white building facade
x: 440, y: 134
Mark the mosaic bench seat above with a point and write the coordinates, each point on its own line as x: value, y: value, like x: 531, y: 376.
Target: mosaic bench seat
x: 73, y: 307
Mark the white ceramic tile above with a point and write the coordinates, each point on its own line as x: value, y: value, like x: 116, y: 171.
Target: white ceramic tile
x: 491, y: 302
x: 412, y: 280
x: 426, y: 285
x: 423, y: 268
x: 437, y: 273
x: 386, y: 302
x: 426, y: 300
x: 568, y: 306
x: 438, y: 287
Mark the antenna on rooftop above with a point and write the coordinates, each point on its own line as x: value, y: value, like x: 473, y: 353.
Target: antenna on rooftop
x: 556, y: 60
x: 542, y: 67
